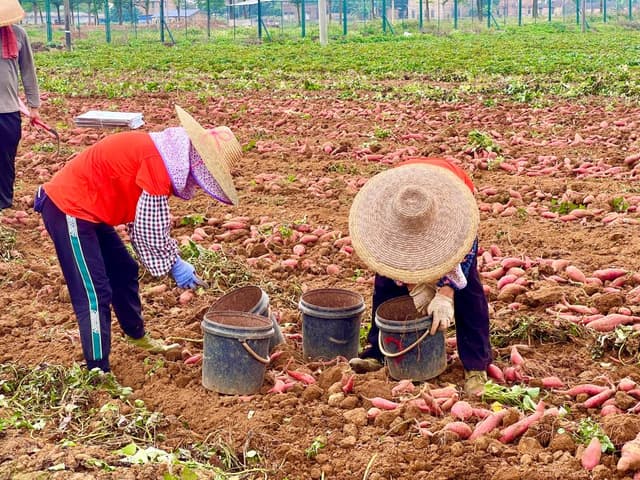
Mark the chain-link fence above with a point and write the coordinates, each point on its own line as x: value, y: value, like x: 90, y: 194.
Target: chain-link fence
x: 264, y: 20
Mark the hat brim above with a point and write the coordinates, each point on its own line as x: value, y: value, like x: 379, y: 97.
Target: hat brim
x: 13, y: 14
x: 415, y: 254
x: 214, y: 152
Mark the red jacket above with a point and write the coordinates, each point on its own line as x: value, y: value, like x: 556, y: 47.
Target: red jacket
x: 441, y: 162
x: 103, y: 183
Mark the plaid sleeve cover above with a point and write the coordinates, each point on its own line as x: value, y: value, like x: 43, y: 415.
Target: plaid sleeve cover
x: 149, y: 234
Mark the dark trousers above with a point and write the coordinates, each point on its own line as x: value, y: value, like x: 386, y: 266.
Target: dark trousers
x: 471, y: 317
x: 10, y: 134
x: 100, y: 273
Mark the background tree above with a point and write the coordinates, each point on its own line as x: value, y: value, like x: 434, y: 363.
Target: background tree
x: 217, y: 6
x: 145, y: 5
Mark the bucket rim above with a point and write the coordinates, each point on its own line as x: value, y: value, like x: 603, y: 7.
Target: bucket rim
x: 262, y: 328
x: 406, y: 300
x: 240, y: 291
x: 356, y: 308
x: 412, y: 323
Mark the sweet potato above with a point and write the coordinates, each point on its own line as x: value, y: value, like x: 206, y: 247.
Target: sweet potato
x: 403, y: 386
x: 515, y: 357
x: 481, y: 413
x: 488, y: 424
x: 333, y: 269
x: 185, y: 297
x: 462, y: 410
x: 513, y: 431
x: 462, y: 429
x: 626, y: 384
x: 444, y: 392
x: 552, y: 382
x: 587, y: 388
x: 301, y: 377
x: 509, y: 262
x: 608, y: 274
x: 609, y: 410
x: 373, y: 412
x: 157, y: 289
x: 506, y: 280
x: 348, y: 383
x: 598, y: 399
x: 495, y: 372
x: 383, y: 403
x: 299, y: 249
x: 630, y: 455
x: 591, y: 455
x: 193, y: 359
x: 280, y: 386
x: 611, y: 321
x: 575, y: 274
x: 494, y: 274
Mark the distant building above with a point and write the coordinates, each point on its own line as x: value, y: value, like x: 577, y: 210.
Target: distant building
x: 508, y: 8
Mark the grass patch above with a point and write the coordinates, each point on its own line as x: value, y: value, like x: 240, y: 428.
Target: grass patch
x: 77, y: 404
x: 7, y: 243
x: 624, y: 341
x: 523, y: 64
x: 74, y: 406
x: 529, y: 329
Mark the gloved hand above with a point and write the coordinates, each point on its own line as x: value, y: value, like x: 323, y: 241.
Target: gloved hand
x: 422, y: 294
x: 185, y: 275
x: 441, y: 311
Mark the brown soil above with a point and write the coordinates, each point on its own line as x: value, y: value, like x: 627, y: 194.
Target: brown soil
x: 308, y: 158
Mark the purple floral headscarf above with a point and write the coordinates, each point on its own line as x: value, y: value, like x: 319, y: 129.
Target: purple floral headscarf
x: 185, y: 166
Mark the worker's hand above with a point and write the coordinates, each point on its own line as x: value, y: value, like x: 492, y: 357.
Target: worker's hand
x: 441, y: 311
x: 422, y: 294
x: 185, y: 275
x: 34, y: 115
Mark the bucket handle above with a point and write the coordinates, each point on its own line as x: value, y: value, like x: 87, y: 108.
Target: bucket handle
x: 339, y: 342
x: 252, y: 352
x: 403, y: 351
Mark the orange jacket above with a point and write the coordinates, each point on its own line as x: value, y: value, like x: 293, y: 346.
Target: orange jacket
x: 103, y: 183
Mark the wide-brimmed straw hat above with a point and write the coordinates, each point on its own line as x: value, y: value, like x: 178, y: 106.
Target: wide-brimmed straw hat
x: 413, y: 223
x: 10, y: 12
x: 219, y: 150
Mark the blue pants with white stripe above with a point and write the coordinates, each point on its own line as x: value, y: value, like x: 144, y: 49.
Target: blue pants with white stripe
x: 100, y: 273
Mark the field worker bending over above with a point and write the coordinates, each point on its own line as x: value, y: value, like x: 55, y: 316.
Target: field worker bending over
x: 16, y: 62
x: 127, y: 178
x: 416, y: 227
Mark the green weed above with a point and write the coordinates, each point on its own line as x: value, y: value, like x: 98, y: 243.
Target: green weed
x: 565, y: 207
x: 482, y: 141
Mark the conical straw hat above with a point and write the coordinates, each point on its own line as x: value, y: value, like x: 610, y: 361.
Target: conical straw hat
x: 218, y: 148
x: 413, y: 223
x: 10, y: 12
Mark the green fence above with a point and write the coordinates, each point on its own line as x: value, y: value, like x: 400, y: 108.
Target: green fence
x: 261, y: 20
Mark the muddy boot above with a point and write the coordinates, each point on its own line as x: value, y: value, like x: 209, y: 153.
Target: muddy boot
x: 364, y: 365
x: 152, y: 345
x: 369, y: 360
x: 474, y: 381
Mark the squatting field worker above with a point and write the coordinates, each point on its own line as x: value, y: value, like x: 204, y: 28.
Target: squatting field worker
x: 127, y: 178
x: 416, y: 227
x: 16, y: 63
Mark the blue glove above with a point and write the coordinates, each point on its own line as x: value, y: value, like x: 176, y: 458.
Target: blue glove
x: 185, y: 275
